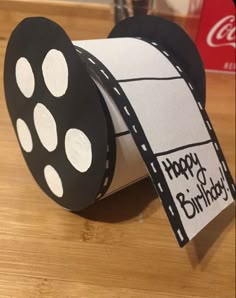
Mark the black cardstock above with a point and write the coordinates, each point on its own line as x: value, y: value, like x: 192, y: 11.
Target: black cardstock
x: 80, y: 107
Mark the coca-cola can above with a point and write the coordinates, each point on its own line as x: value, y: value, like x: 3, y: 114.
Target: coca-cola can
x: 216, y: 36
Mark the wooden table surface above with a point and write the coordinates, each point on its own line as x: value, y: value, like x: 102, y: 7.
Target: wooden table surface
x: 123, y: 246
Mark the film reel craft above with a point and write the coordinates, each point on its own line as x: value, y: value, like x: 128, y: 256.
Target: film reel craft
x: 75, y: 106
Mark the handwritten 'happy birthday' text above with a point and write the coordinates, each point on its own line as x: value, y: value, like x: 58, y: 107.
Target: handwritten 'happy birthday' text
x: 208, y: 190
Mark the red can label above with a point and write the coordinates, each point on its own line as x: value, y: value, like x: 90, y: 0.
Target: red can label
x: 216, y: 37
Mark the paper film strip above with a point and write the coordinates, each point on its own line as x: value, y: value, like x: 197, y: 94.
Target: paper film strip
x: 173, y: 106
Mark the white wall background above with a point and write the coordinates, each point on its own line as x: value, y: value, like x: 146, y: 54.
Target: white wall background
x: 178, y: 7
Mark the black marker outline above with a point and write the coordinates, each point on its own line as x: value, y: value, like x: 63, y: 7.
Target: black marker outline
x: 148, y: 79
x: 182, y: 148
x: 122, y: 133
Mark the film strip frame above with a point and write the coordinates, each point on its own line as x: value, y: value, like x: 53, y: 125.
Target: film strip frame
x: 97, y: 69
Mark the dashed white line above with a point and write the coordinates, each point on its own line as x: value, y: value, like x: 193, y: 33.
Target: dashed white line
x: 91, y: 60
x: 224, y: 166
x: 180, y: 235
x: 190, y: 86
x: 153, y: 167
x: 134, y: 129
x: 126, y: 110
x: 144, y: 147
x: 208, y: 124
x: 154, y: 43
x: 200, y: 105
x: 171, y: 210
x: 106, y: 181
x: 179, y: 69
x: 105, y: 75
x: 160, y: 187
x: 116, y: 90
x: 216, y: 146
x: 166, y: 53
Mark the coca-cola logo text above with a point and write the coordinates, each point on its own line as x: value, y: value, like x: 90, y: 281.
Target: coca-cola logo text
x: 223, y: 33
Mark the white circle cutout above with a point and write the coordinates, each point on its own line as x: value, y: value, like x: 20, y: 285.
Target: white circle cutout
x: 24, y: 135
x: 46, y: 127
x: 55, y: 72
x: 25, y: 77
x: 78, y: 149
x: 53, y: 181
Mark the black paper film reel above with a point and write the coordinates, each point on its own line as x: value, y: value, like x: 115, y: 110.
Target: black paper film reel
x: 57, y: 90
x: 75, y: 108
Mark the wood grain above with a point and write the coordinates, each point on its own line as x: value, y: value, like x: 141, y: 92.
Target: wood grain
x: 123, y: 246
